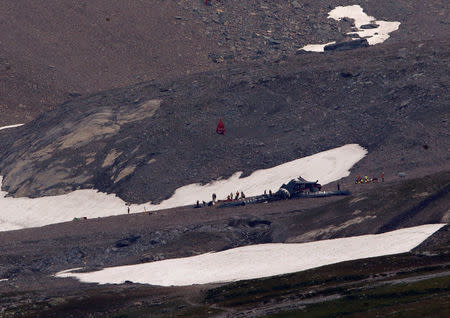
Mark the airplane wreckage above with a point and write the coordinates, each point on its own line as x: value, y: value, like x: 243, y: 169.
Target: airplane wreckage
x: 296, y: 188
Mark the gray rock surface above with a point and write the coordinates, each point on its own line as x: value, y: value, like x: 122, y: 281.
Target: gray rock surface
x: 144, y: 141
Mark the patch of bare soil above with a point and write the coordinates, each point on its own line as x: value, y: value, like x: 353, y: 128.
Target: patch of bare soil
x: 51, y: 51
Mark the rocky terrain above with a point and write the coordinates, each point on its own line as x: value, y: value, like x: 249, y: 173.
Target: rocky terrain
x: 389, y: 98
x: 125, y: 98
x: 30, y: 257
x: 397, y: 111
x: 51, y: 51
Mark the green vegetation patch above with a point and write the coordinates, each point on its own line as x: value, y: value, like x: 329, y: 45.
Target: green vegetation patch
x: 427, y: 298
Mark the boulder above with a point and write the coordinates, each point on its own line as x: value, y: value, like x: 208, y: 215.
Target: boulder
x: 348, y: 45
x: 369, y: 26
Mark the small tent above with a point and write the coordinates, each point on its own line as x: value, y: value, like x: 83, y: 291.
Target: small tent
x: 220, y: 127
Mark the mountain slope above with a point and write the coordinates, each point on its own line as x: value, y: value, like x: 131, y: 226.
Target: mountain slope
x: 52, y: 50
x: 144, y: 141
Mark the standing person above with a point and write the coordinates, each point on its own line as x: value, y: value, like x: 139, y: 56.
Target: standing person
x: 242, y: 195
x: 128, y: 209
x: 339, y: 186
x: 214, y: 196
x: 382, y: 177
x: 237, y: 195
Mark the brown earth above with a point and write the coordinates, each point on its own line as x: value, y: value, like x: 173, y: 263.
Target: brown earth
x: 51, y: 51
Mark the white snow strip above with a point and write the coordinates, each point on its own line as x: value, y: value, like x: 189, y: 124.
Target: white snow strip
x: 326, y: 166
x: 316, y: 47
x: 19, y: 213
x: 11, y: 126
x: 3, y: 279
x: 355, y: 12
x: 256, y: 261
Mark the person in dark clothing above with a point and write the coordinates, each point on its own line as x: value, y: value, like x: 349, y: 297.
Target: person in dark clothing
x: 339, y: 186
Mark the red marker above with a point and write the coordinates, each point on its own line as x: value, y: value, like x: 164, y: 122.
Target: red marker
x: 220, y: 127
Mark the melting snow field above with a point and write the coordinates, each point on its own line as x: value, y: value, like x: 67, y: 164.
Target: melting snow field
x: 11, y: 126
x: 256, y: 261
x: 355, y: 12
x: 326, y: 166
x: 316, y: 47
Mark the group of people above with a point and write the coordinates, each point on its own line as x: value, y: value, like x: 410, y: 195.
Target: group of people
x: 203, y: 204
x: 366, y: 179
x: 236, y: 196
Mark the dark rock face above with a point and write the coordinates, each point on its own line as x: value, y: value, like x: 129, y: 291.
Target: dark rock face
x: 348, y: 45
x: 248, y: 221
x: 369, y: 26
x: 127, y: 241
x: 73, y: 130
x: 144, y: 141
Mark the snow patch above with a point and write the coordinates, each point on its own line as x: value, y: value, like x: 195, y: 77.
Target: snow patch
x: 316, y: 47
x: 11, y: 126
x: 3, y: 279
x: 373, y: 35
x: 326, y: 166
x: 256, y: 261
